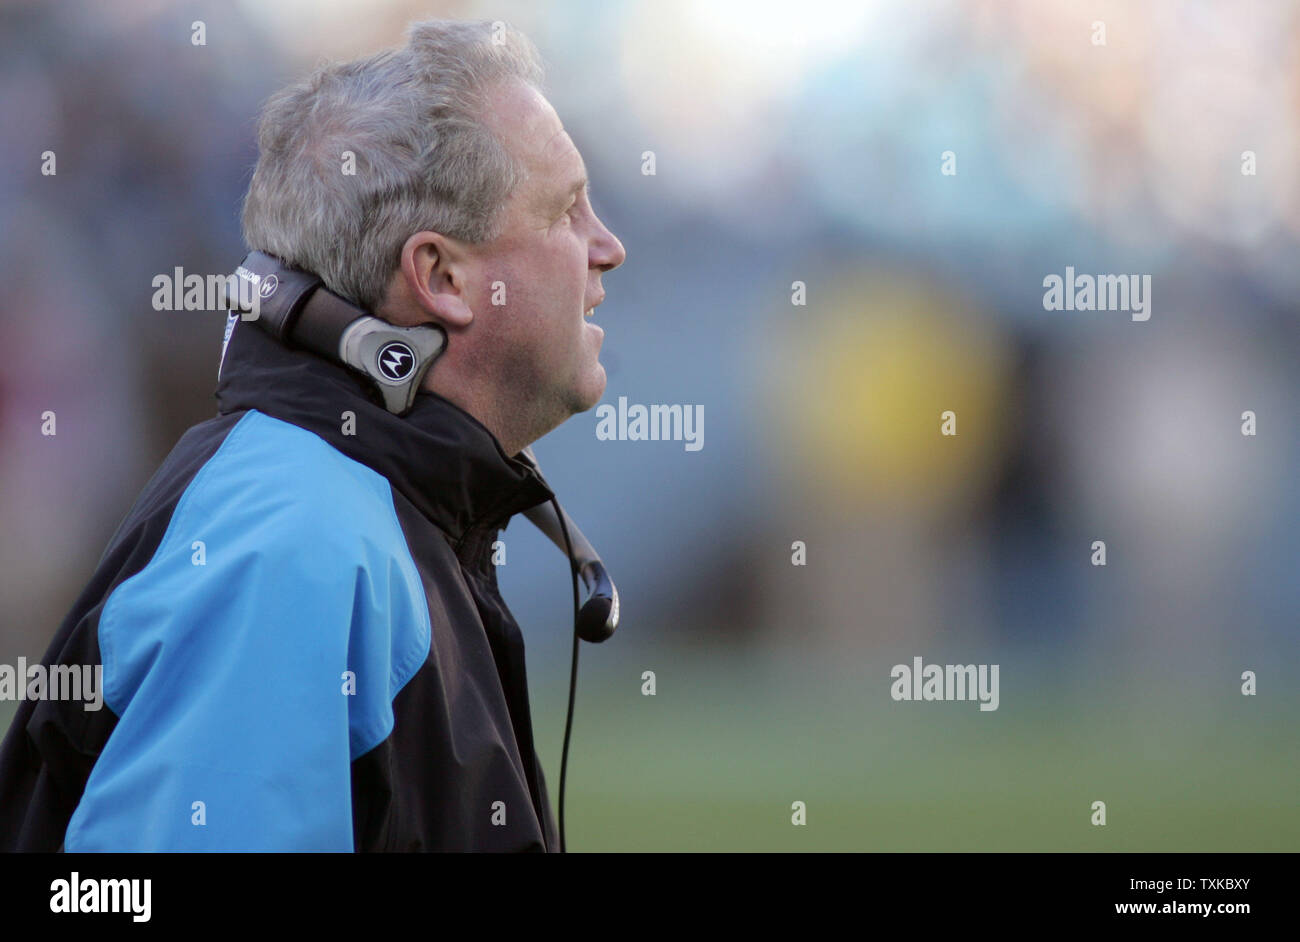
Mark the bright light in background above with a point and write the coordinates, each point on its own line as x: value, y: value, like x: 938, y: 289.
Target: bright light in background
x: 768, y: 42
x: 708, y: 79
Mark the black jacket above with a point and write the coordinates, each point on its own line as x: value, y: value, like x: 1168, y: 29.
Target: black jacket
x: 301, y: 638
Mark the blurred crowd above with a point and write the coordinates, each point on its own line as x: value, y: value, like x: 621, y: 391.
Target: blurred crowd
x: 791, y: 143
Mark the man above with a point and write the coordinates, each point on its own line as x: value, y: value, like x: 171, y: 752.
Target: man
x: 302, y: 642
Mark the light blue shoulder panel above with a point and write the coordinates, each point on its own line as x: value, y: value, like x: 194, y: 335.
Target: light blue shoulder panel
x: 255, y: 656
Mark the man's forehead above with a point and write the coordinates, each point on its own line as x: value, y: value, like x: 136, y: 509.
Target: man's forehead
x: 525, y: 122
x: 529, y: 126
x: 560, y: 150
x: 551, y: 154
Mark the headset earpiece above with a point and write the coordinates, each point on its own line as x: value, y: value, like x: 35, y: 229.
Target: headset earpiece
x: 296, y: 308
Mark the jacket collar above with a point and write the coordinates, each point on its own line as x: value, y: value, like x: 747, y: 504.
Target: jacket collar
x: 438, y: 455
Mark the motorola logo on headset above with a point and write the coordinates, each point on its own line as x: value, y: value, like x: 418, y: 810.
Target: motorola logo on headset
x: 396, y: 361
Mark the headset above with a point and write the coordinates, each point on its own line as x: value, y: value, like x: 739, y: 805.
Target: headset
x: 297, y: 309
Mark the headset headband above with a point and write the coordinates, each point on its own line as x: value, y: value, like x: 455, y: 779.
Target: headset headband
x: 297, y: 309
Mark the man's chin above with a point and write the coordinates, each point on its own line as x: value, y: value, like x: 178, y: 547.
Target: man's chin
x: 588, y: 395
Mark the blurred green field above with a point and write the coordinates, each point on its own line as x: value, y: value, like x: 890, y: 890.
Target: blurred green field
x: 714, y: 760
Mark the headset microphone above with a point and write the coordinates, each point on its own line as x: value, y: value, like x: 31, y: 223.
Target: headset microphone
x: 598, y: 617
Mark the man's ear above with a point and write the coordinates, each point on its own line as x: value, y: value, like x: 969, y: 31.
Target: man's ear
x: 431, y: 282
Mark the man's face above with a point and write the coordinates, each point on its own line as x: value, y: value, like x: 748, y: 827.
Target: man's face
x: 549, y: 259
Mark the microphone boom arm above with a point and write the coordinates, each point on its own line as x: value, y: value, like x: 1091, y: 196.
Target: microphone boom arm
x: 598, y: 617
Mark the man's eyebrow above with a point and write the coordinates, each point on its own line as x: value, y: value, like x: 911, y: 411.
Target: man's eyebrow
x: 581, y: 184
x: 572, y: 192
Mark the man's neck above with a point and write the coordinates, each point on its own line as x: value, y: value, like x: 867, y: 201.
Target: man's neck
x: 509, y: 426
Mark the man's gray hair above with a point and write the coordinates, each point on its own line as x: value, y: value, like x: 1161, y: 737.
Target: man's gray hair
x: 413, y: 119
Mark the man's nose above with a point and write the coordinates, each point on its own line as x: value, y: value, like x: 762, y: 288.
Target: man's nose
x: 607, y: 251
